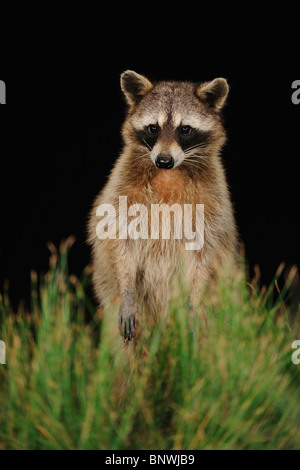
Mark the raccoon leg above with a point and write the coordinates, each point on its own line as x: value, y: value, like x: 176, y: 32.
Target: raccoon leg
x: 127, y: 315
x: 126, y: 272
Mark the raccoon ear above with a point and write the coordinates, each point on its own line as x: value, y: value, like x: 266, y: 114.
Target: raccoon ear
x: 134, y: 86
x: 213, y: 93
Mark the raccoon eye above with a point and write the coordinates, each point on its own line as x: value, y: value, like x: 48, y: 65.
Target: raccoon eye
x: 186, y: 130
x: 153, y: 129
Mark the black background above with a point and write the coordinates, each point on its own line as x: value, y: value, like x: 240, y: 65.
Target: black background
x: 60, y: 135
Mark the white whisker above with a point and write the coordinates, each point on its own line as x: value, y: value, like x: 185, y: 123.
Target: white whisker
x: 149, y: 147
x: 194, y: 147
x: 201, y: 156
x: 197, y: 159
x: 144, y: 155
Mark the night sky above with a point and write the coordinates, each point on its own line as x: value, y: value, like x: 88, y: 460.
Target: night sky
x: 60, y: 136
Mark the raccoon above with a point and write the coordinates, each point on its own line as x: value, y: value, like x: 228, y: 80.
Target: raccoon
x: 173, y: 134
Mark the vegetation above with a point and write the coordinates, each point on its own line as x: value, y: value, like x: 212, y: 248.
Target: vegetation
x: 230, y: 385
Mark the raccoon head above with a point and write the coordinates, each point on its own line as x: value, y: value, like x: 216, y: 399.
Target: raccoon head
x: 173, y: 123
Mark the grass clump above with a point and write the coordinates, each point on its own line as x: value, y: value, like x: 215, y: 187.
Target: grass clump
x: 230, y: 385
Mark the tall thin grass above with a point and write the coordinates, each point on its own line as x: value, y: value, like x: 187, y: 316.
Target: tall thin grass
x: 230, y: 385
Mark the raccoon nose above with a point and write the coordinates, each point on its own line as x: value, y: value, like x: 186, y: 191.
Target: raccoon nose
x: 165, y: 162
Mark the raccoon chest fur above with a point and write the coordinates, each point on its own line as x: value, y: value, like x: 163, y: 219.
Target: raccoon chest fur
x: 168, y: 186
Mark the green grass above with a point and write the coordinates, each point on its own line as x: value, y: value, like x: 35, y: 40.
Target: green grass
x: 231, y: 385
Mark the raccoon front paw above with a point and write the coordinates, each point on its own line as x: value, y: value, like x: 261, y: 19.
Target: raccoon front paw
x: 127, y: 325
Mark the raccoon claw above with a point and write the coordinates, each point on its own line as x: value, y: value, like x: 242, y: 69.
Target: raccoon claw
x: 127, y: 326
